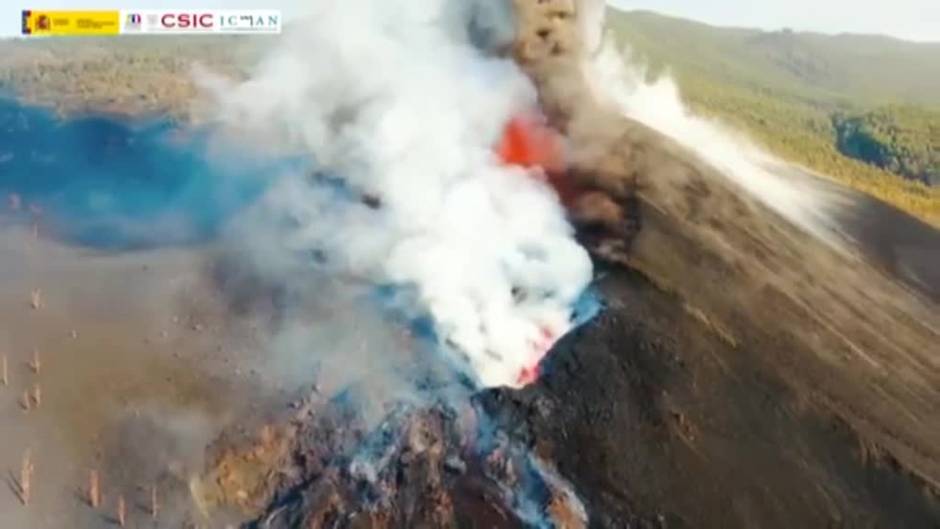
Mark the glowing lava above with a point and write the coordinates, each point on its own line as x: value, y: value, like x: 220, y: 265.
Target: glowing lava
x: 528, y: 142
x: 540, y: 348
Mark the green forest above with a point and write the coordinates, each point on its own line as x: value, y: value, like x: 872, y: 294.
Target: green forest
x: 901, y: 139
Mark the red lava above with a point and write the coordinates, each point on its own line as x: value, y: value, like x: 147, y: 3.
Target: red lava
x: 528, y: 375
x: 528, y: 142
x: 531, y: 143
x: 540, y: 348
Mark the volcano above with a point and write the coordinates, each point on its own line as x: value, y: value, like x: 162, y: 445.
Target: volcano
x: 581, y: 319
x: 745, y: 372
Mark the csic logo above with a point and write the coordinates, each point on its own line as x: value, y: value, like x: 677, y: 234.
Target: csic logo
x: 134, y: 21
x: 187, y: 21
x: 206, y: 22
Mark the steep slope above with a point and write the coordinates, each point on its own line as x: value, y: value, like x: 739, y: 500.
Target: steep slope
x: 746, y: 373
x: 746, y: 376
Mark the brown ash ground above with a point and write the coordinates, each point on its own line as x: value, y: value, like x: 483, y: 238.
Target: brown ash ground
x: 658, y: 422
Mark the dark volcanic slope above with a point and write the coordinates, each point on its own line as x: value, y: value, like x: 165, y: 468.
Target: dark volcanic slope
x: 897, y: 243
x: 655, y: 418
x: 904, y: 246
x: 745, y: 374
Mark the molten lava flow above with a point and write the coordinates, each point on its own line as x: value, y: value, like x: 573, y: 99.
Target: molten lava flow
x: 540, y: 348
x: 527, y: 142
x: 528, y: 375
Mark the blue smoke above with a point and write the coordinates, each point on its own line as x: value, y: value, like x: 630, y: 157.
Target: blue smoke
x: 108, y: 184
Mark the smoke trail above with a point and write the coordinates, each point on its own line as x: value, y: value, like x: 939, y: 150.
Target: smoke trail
x: 620, y: 83
x: 401, y: 109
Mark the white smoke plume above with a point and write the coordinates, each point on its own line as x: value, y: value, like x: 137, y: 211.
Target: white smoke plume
x: 397, y: 102
x: 619, y: 81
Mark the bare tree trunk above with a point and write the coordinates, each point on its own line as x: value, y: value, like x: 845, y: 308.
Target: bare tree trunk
x: 154, y: 504
x: 94, y: 489
x: 36, y: 299
x: 26, y: 477
x: 26, y: 401
x: 121, y: 511
x: 36, y: 364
